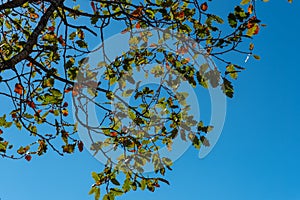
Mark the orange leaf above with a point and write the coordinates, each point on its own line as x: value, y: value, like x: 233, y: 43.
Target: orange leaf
x: 204, y: 6
x: 138, y: 25
x: 30, y: 104
x: 34, y: 15
x: 61, y: 41
x: 113, y: 134
x: 18, y: 89
x: 137, y: 12
x: 256, y: 30
x: 250, y: 9
x: 65, y: 112
x: 69, y: 89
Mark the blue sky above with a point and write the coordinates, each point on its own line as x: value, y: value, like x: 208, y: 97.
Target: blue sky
x: 256, y: 157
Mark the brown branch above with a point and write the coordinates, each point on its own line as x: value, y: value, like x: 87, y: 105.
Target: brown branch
x: 32, y: 40
x: 13, y: 4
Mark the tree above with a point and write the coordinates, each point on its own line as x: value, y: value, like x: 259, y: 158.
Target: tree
x: 45, y: 66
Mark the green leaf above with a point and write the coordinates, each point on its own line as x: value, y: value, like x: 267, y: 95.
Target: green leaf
x: 81, y: 43
x: 48, y: 82
x: 97, y: 194
x: 167, y: 161
x: 95, y: 176
x: 8, y: 24
x: 72, y: 73
x: 3, y: 146
x: 55, y: 92
x: 143, y: 184
x: 115, y: 181
x: 69, y: 148
x: 18, y: 124
x: 28, y: 116
x: 227, y: 88
x: 232, y: 20
x: 116, y: 191
x: 108, y: 197
x: 163, y: 180
x: 126, y: 185
x: 230, y: 69
x: 92, y: 190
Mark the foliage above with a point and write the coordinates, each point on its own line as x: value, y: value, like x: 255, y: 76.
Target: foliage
x: 44, y: 45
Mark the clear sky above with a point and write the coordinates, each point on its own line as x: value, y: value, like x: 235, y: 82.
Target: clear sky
x: 256, y: 157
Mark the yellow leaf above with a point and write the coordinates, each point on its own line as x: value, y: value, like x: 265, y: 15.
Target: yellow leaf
x: 244, y: 2
x: 256, y: 57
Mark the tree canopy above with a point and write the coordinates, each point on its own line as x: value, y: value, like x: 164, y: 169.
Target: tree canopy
x: 49, y: 74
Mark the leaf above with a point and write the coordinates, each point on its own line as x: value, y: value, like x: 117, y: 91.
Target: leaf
x: 244, y: 2
x: 18, y: 124
x: 230, y: 69
x: 23, y: 150
x: 127, y: 185
x: 227, y: 88
x: 127, y: 93
x: 232, y: 20
x: 18, y: 89
x: 31, y: 105
x: 92, y: 190
x: 97, y: 194
x: 116, y: 191
x: 204, y: 141
x: 137, y: 12
x: 204, y: 6
x: 251, y: 46
x: 80, y: 146
x: 253, y: 30
x: 115, y: 181
x: 69, y: 148
x: 55, y: 92
x: 3, y: 146
x: 65, y: 112
x: 167, y: 161
x: 8, y: 24
x: 81, y: 43
x: 163, y: 180
x: 250, y: 8
x: 28, y: 157
x: 93, y: 7
x: 95, y: 176
x: 257, y: 57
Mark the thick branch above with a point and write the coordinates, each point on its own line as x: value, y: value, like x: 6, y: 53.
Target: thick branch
x: 13, y: 4
x: 32, y: 40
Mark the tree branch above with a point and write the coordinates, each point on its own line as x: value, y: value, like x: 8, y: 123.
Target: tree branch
x: 32, y: 40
